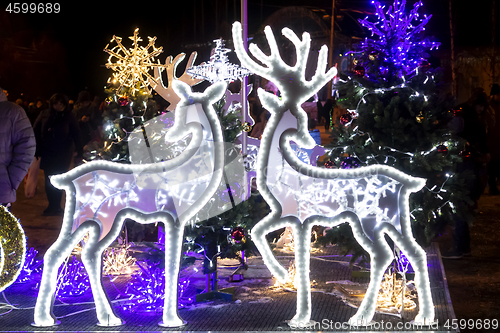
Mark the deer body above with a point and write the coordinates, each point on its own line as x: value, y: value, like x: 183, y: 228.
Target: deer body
x: 100, y: 195
x: 373, y: 199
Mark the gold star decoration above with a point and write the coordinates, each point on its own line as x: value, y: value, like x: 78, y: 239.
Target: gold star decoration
x: 132, y: 65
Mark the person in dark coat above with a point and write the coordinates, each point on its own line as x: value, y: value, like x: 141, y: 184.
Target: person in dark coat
x: 56, y: 131
x: 325, y: 111
x: 476, y: 118
x: 17, y: 148
x: 88, y: 115
x: 494, y: 142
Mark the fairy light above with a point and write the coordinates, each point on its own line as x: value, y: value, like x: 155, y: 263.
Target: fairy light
x: 146, y: 289
x: 394, y: 295
x: 397, y: 37
x: 131, y: 66
x: 218, y: 68
x: 282, y: 180
x: 12, y: 248
x: 117, y: 261
x: 31, y: 268
x: 73, y: 280
x: 102, y: 194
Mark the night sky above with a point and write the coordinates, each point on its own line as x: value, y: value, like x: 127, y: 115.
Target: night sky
x: 75, y: 38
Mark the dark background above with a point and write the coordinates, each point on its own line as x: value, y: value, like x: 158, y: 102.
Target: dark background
x: 41, y: 54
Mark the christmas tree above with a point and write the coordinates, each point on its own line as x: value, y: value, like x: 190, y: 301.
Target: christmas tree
x: 225, y: 235
x: 399, y: 114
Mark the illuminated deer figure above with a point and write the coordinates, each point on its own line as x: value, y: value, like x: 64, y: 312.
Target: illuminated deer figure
x: 373, y: 200
x: 100, y: 195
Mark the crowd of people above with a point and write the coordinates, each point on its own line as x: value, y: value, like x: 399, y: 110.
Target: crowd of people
x: 48, y: 135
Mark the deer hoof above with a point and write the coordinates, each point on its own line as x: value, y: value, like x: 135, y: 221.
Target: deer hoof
x: 420, y: 320
x: 358, y: 321
x: 111, y: 321
x: 51, y: 322
x: 172, y: 323
x: 306, y: 324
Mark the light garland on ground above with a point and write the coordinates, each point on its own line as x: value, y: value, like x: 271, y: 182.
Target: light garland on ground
x: 117, y: 261
x: 393, y: 293
x: 146, y: 290
x: 12, y: 248
x: 301, y: 196
x: 73, y: 280
x: 31, y: 268
x: 290, y: 284
x: 131, y: 66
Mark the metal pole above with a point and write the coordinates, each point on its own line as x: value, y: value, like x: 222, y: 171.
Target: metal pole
x: 452, y: 37
x: 330, y: 49
x: 493, y: 41
x: 244, y: 90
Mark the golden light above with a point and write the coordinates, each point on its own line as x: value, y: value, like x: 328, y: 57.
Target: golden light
x: 118, y: 261
x: 393, y: 294
x: 131, y: 66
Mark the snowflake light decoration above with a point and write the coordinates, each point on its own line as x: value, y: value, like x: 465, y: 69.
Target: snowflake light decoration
x: 218, y: 68
x: 399, y: 42
x: 132, y: 65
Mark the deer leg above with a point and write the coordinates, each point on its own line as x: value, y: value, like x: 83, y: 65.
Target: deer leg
x: 302, y: 240
x: 418, y: 259
x: 259, y: 232
x: 53, y: 258
x: 92, y: 260
x: 380, y: 258
x: 173, y: 247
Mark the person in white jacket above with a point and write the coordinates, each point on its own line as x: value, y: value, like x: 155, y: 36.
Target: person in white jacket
x: 17, y: 148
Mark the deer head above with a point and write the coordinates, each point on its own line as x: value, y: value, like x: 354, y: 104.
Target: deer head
x: 171, y: 66
x: 290, y: 80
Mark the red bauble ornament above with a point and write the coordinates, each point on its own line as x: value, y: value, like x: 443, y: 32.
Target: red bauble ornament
x: 466, y: 154
x: 425, y: 65
x: 123, y: 101
x: 345, y: 119
x: 359, y: 70
x: 238, y: 234
x: 329, y: 165
x: 442, y: 149
x: 457, y: 112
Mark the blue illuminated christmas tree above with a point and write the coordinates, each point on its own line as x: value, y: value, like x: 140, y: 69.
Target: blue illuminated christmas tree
x: 397, y: 48
x: 399, y: 113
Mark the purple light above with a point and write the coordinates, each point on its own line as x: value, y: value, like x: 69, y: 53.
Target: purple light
x: 397, y: 38
x: 31, y: 268
x: 72, y: 280
x: 146, y: 290
x: 404, y: 264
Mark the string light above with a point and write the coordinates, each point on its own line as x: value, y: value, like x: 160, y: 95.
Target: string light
x: 397, y: 38
x: 102, y: 194
x: 12, y: 248
x: 218, y: 68
x: 131, y: 66
x: 331, y: 196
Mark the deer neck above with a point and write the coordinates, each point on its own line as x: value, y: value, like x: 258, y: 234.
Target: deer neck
x: 195, y: 114
x: 270, y: 152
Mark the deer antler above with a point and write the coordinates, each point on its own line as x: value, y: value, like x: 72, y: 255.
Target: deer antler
x: 290, y: 81
x: 171, y: 66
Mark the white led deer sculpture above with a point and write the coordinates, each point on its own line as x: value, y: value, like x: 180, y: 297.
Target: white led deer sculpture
x: 373, y: 200
x: 100, y: 195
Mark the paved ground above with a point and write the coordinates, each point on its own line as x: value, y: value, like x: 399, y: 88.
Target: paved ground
x: 255, y: 306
